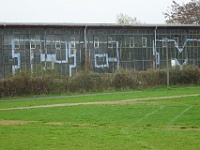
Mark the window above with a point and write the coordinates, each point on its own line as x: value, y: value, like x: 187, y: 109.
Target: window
x: 58, y: 45
x: 131, y: 42
x: 144, y: 41
x: 32, y: 44
x: 176, y: 40
x: 195, y: 37
x: 164, y: 42
x: 96, y: 42
x: 73, y: 43
x: 16, y: 44
x: 110, y: 42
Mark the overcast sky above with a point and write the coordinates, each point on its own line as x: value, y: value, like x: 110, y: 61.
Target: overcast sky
x: 83, y: 11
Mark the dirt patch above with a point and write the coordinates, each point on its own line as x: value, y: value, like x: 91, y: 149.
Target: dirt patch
x: 81, y: 125
x: 13, y: 122
x: 55, y: 123
x: 183, y: 128
x: 121, y: 102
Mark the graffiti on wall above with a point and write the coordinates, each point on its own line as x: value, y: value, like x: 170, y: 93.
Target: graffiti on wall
x: 44, y: 57
x: 174, y: 61
x: 70, y: 53
x: 108, y: 59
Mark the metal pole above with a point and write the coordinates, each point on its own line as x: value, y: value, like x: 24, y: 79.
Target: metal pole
x: 86, y: 50
x: 117, y: 45
x: 155, y: 44
x: 166, y: 40
x: 2, y: 56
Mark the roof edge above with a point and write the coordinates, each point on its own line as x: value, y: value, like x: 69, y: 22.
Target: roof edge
x: 48, y: 24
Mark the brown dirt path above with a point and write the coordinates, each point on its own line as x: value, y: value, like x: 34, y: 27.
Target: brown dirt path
x: 15, y: 122
x: 130, y: 101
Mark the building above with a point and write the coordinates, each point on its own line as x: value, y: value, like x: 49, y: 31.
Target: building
x: 105, y: 47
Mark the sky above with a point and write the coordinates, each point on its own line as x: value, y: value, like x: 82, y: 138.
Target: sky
x: 83, y: 11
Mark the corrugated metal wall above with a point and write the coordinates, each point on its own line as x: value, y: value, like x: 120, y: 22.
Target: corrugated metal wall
x: 62, y: 50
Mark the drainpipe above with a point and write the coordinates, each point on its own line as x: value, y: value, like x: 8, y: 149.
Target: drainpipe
x: 2, y: 52
x: 155, y: 51
x: 86, y: 49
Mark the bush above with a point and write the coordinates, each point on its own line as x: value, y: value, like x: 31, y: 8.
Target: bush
x: 186, y: 75
x: 151, y: 78
x: 125, y: 79
x: 87, y: 81
x: 26, y: 84
x: 190, y: 75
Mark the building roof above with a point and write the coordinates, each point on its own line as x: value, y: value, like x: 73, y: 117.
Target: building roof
x: 48, y: 24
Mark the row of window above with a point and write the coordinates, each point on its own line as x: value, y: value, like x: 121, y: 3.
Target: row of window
x: 111, y: 43
x: 33, y: 43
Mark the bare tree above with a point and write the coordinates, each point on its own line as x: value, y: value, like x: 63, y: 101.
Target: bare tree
x: 125, y: 19
x: 188, y: 13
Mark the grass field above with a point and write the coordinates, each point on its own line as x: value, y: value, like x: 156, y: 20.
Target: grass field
x: 153, y: 119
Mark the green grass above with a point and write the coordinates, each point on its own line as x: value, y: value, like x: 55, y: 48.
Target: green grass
x: 29, y: 101
x: 165, y: 124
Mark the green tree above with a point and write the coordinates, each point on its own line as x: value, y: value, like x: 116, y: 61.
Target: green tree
x: 125, y: 19
x: 185, y: 13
